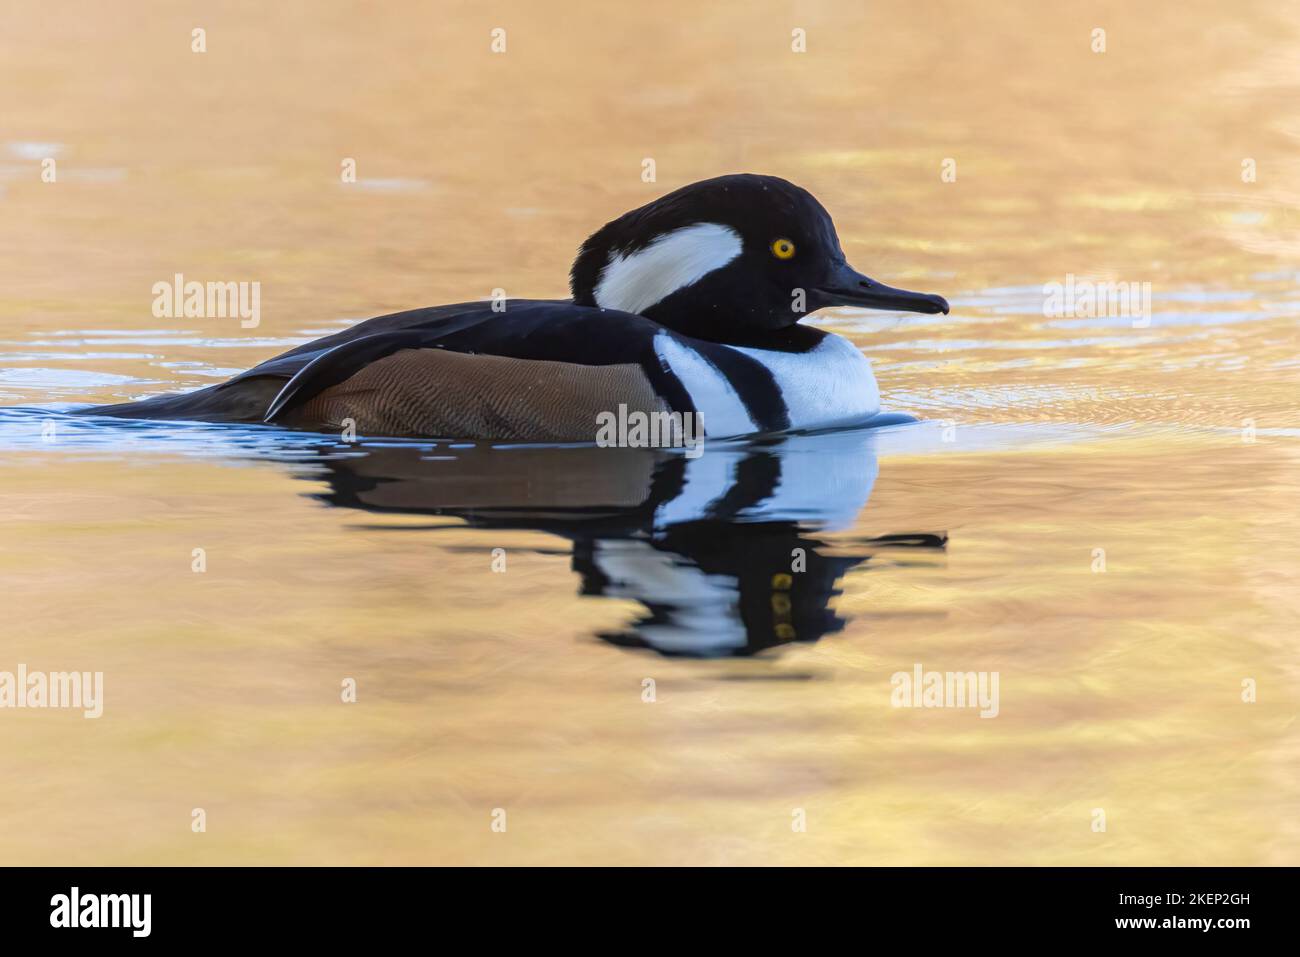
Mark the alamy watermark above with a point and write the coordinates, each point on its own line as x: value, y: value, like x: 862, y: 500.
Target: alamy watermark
x: 1089, y: 299
x: 129, y: 911
x: 211, y: 300
x: 55, y: 689
x: 919, y: 688
x: 637, y: 429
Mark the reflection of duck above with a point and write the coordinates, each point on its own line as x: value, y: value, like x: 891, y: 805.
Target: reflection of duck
x: 719, y: 549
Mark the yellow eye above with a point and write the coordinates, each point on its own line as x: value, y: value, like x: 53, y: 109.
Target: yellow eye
x: 783, y: 249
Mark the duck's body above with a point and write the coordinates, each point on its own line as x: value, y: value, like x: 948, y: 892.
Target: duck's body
x: 672, y: 312
x: 538, y: 371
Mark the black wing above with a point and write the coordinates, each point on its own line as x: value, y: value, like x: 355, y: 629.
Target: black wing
x: 526, y: 329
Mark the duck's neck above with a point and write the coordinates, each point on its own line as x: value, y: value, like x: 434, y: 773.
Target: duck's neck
x: 795, y: 338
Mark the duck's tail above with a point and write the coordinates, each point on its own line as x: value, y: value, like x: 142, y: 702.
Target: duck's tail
x: 241, y: 400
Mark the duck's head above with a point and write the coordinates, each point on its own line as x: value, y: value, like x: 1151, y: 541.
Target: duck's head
x: 729, y: 259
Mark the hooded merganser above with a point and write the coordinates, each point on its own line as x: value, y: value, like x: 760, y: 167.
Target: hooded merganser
x: 689, y: 304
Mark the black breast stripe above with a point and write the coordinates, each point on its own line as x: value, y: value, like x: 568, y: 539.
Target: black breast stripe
x: 754, y: 385
x: 666, y: 384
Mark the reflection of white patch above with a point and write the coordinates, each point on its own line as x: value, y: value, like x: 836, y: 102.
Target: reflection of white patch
x: 707, y: 478
x: 718, y: 406
x: 673, y: 260
x: 824, y: 481
x: 829, y: 385
x: 701, y: 616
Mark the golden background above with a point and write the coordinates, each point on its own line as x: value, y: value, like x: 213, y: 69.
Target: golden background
x: 479, y: 170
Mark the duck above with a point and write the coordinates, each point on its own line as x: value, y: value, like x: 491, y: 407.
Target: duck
x: 691, y: 304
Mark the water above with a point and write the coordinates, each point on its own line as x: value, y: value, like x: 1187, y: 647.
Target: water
x: 1101, y: 513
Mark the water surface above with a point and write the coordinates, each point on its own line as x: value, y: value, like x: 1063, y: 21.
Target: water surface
x: 1101, y: 513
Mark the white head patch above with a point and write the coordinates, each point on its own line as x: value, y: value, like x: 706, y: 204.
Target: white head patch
x: 673, y: 260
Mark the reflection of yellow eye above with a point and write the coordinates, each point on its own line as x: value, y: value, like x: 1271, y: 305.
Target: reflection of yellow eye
x: 783, y: 249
